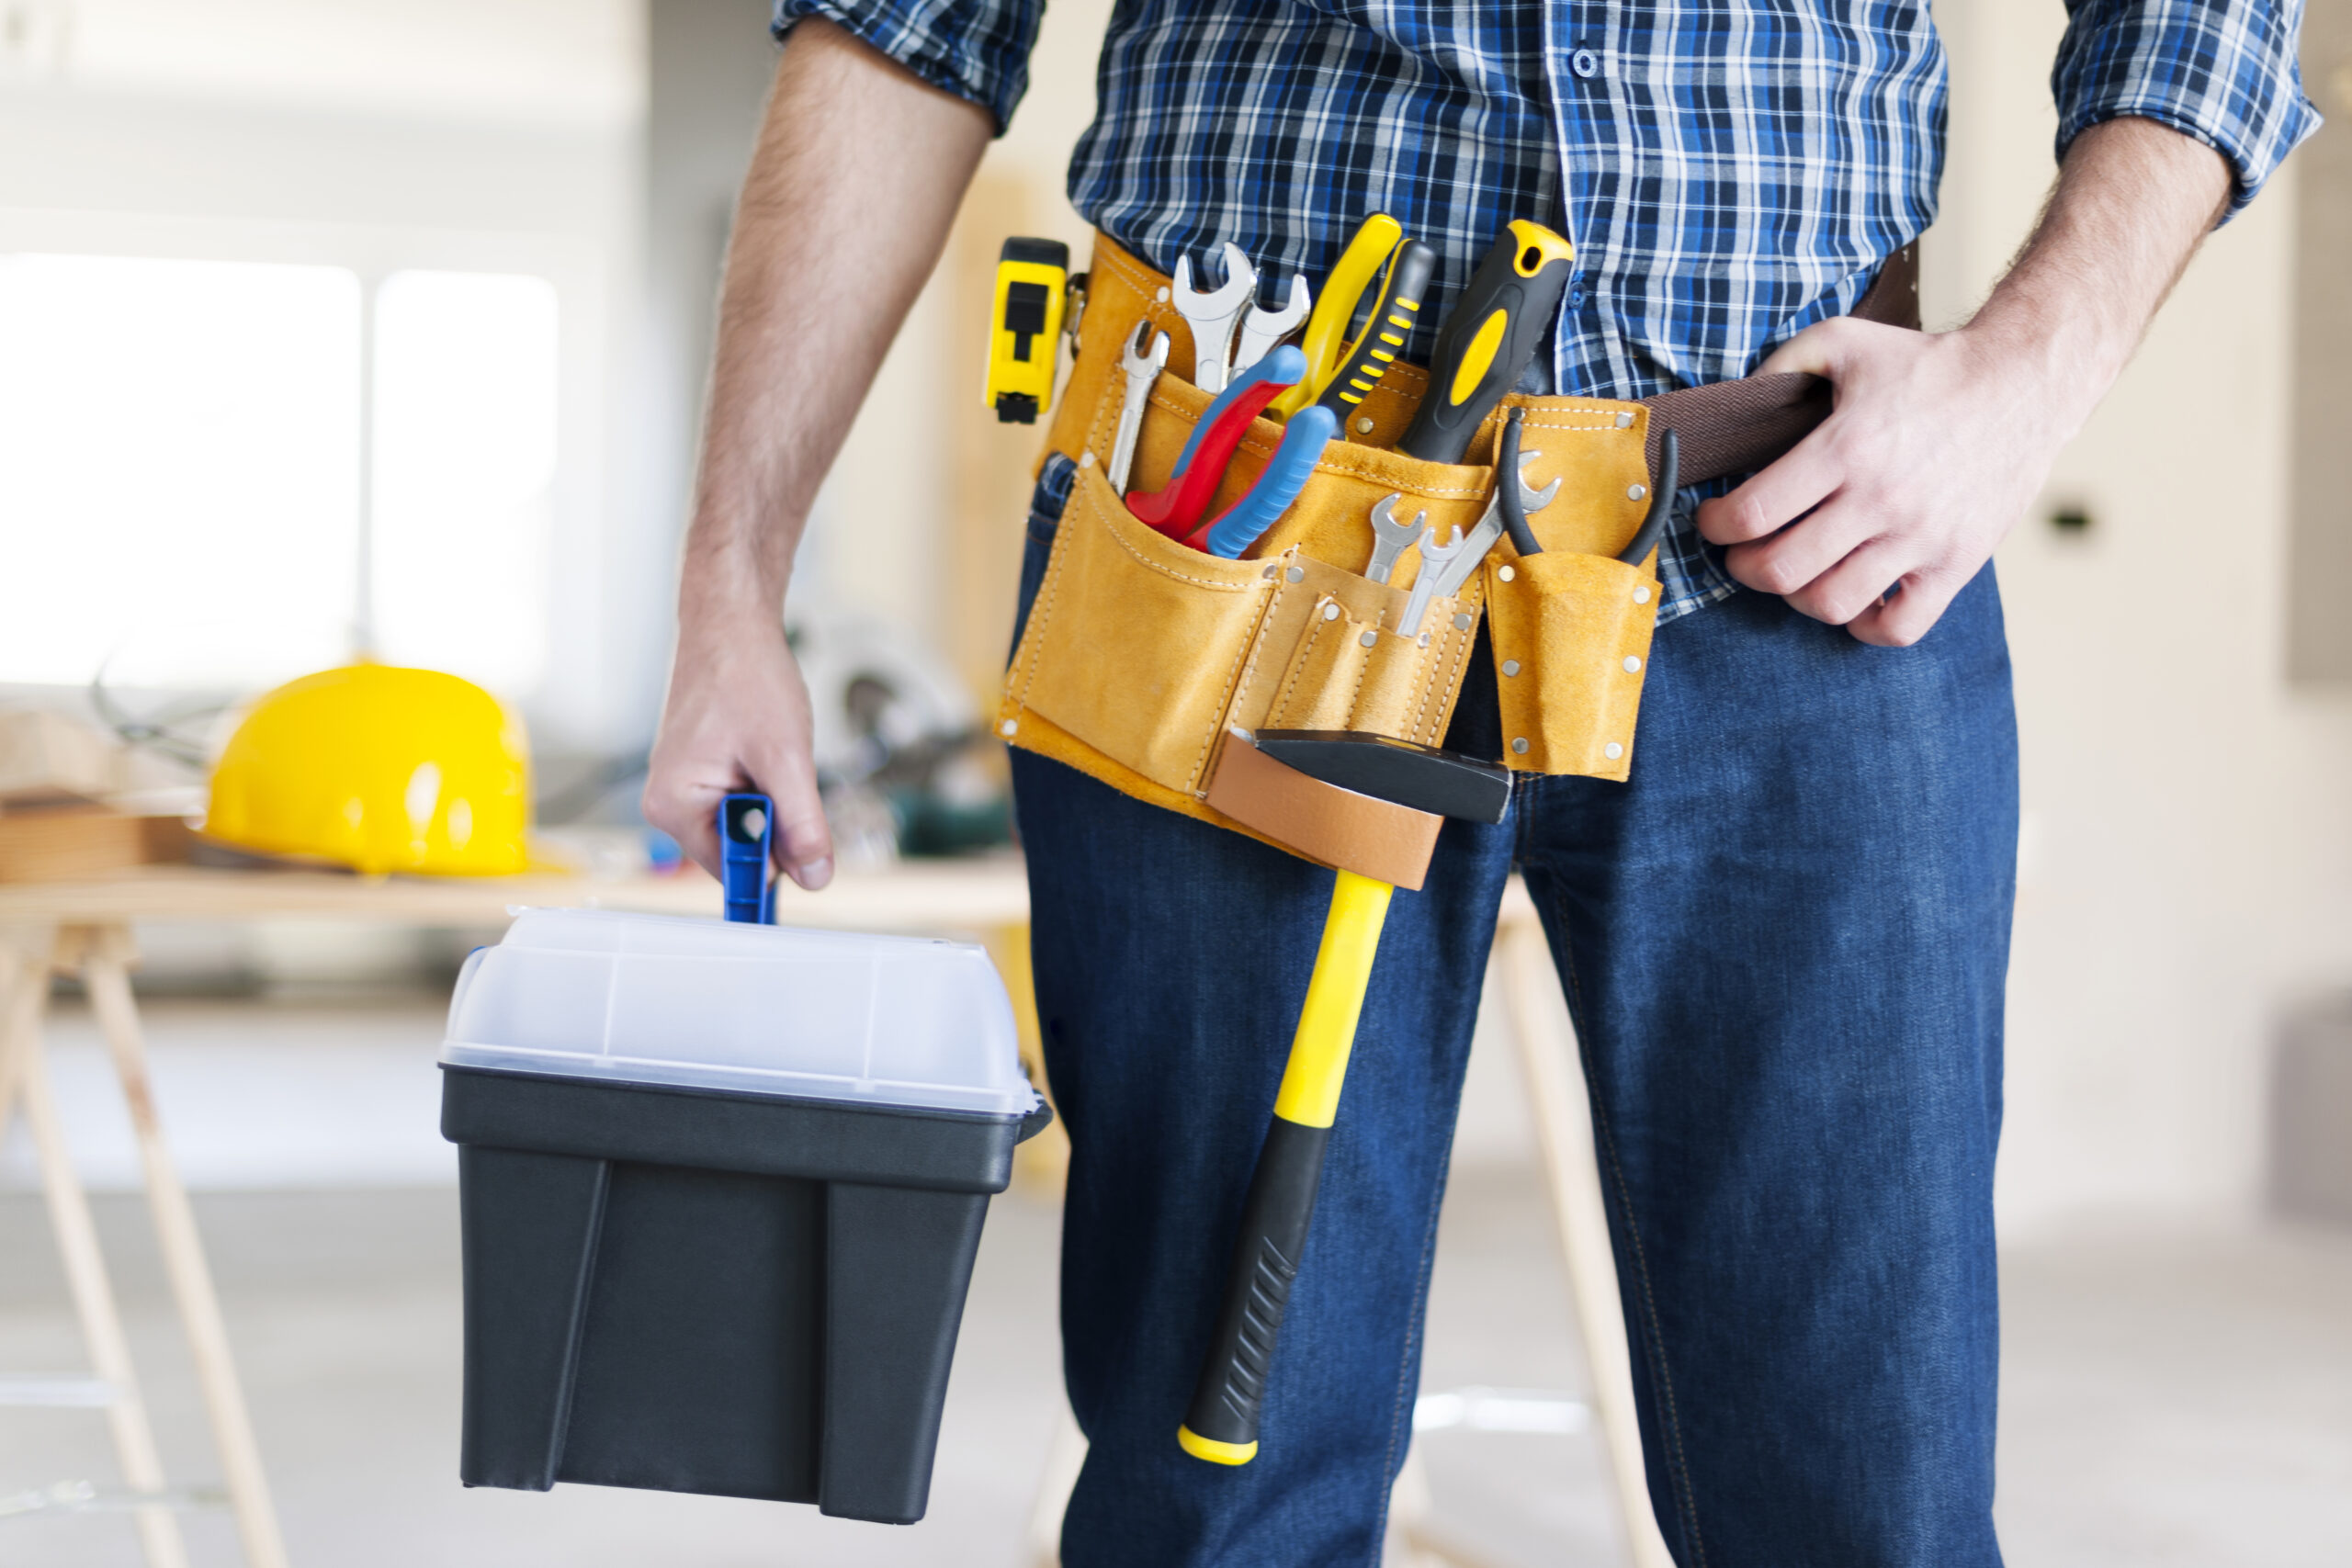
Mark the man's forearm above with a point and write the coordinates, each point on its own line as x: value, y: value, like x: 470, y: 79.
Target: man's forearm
x: 2133, y: 201
x: 857, y: 174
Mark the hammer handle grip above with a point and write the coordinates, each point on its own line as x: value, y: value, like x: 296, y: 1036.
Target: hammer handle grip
x: 1232, y: 1387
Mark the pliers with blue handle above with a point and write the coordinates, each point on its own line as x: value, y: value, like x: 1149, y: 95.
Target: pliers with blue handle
x: 1310, y: 430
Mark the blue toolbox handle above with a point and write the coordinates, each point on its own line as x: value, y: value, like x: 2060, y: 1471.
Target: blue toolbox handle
x: 746, y: 830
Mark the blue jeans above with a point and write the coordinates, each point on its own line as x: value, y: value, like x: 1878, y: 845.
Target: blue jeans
x: 1783, y: 942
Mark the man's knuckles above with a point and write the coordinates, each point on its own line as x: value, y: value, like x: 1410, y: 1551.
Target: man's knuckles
x: 1769, y: 571
x: 1735, y: 519
x: 1836, y: 604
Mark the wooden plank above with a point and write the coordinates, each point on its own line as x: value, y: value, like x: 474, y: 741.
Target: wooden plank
x: 930, y: 897
x: 47, y: 757
x: 68, y: 845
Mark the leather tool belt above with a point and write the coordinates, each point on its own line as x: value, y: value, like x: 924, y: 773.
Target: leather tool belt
x: 1141, y: 657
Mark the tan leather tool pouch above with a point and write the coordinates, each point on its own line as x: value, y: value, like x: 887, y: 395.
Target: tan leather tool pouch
x: 1140, y: 656
x: 1572, y: 638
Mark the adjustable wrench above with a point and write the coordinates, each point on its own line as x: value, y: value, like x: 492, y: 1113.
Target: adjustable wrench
x: 1389, y: 536
x: 1212, y: 317
x: 1260, y: 330
x: 1142, y: 369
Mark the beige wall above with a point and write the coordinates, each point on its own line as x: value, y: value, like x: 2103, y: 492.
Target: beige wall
x: 2319, y: 642
x: 2189, y: 828
x: 900, y: 517
x: 376, y: 135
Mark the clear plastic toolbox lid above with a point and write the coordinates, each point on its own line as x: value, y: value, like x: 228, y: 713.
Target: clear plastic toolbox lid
x: 871, y: 1020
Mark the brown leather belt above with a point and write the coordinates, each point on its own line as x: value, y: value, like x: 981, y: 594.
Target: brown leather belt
x: 1731, y: 427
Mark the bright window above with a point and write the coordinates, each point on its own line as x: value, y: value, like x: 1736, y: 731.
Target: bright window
x: 464, y: 475
x: 179, y: 461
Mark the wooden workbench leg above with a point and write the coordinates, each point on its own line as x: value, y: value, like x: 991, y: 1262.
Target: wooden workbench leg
x: 1547, y: 1054
x: 24, y: 953
x: 24, y: 1070
x: 106, y: 971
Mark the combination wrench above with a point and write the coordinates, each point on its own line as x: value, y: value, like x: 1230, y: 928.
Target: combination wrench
x: 1142, y: 368
x: 1389, y: 537
x: 1212, y: 317
x: 1434, y: 557
x: 1260, y: 330
x: 1489, y: 528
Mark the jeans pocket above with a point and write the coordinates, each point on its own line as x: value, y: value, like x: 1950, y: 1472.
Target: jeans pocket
x: 1045, y: 506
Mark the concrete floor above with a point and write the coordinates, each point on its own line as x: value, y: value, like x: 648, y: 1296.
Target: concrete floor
x: 2169, y: 1397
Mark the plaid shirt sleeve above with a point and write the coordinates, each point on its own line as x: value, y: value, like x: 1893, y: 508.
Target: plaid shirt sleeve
x: 2221, y: 71
x: 977, y: 50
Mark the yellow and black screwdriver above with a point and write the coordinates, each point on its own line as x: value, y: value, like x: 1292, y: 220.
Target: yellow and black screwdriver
x: 1489, y: 337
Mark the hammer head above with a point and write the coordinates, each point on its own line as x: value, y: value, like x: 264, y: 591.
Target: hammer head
x: 1421, y: 777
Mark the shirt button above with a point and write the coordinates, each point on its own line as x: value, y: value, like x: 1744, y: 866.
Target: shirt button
x: 1585, y: 63
x: 1576, y: 297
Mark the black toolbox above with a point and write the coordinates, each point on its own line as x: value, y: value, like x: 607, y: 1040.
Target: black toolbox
x: 704, y: 1287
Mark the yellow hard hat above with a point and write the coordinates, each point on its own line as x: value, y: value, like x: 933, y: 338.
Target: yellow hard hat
x: 380, y: 767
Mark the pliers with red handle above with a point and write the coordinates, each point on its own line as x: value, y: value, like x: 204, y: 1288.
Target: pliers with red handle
x: 1175, y: 508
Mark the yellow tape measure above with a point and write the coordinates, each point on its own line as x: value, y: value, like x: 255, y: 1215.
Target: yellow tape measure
x: 1026, y: 328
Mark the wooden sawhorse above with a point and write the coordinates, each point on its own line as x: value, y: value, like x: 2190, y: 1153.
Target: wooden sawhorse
x: 102, y: 955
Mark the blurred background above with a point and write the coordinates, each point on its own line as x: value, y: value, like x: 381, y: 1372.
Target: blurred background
x: 339, y: 323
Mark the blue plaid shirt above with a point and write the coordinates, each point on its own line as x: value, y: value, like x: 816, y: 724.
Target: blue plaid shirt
x: 1730, y: 172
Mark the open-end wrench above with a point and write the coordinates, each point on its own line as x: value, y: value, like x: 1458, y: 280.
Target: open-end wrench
x: 1142, y: 368
x: 1489, y: 528
x: 1260, y: 330
x: 1389, y: 536
x: 1434, y: 557
x: 1212, y: 317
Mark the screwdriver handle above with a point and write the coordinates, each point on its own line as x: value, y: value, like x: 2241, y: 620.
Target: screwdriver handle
x: 1489, y: 337
x: 1221, y: 1424
x: 1384, y: 330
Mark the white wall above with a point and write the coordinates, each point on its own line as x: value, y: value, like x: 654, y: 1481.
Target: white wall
x: 2187, y: 849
